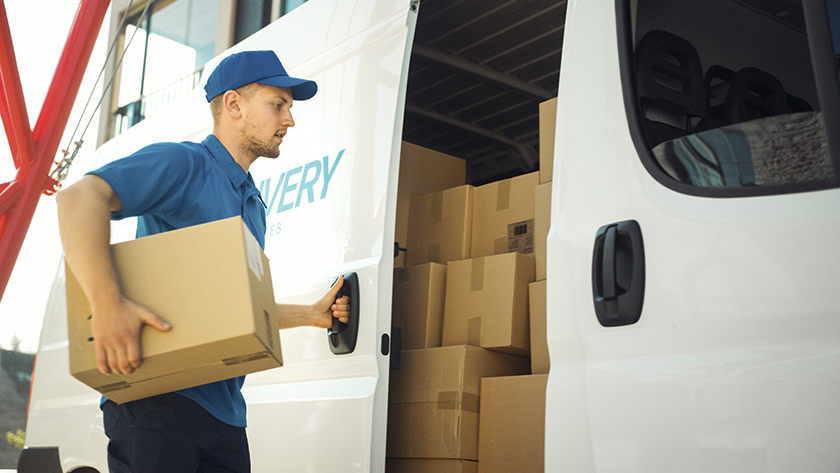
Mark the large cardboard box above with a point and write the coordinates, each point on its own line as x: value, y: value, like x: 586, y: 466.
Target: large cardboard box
x: 503, y: 217
x: 429, y: 465
x: 512, y: 430
x: 487, y: 302
x: 542, y: 222
x: 422, y: 171
x: 440, y: 226
x: 434, y: 396
x: 417, y: 304
x: 212, y: 282
x: 539, y: 344
x: 548, y: 123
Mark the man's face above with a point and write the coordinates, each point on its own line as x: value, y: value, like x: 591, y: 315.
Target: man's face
x: 267, y: 116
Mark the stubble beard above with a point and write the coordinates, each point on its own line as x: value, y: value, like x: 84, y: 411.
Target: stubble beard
x: 258, y: 148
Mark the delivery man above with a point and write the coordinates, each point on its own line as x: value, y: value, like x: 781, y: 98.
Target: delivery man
x: 170, y: 186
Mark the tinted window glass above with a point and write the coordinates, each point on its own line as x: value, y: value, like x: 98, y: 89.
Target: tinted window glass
x: 726, y: 94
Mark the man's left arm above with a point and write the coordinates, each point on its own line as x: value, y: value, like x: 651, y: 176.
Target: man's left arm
x: 320, y: 314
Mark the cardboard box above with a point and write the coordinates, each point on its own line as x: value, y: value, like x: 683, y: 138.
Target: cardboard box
x: 428, y: 465
x: 512, y: 430
x: 542, y: 222
x: 212, y: 282
x: 539, y: 345
x: 417, y: 305
x: 503, y: 216
x: 548, y: 124
x: 440, y: 226
x: 487, y: 302
x: 422, y: 171
x: 433, y: 400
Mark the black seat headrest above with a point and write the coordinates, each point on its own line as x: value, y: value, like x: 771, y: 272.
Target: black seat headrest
x: 754, y: 94
x: 668, y: 72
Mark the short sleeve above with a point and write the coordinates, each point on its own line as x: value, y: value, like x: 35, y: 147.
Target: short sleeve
x: 153, y: 180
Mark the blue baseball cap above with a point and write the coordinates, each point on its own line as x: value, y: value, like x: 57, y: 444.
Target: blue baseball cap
x: 263, y: 67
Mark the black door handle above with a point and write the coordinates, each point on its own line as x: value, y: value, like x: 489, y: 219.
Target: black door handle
x: 342, y: 337
x: 618, y: 273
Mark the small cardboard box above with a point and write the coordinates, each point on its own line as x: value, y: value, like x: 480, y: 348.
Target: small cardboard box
x: 503, y: 216
x: 433, y: 400
x: 542, y: 222
x: 212, y: 282
x: 440, y: 226
x: 548, y: 123
x: 417, y: 305
x: 512, y: 430
x: 422, y: 171
x: 487, y: 302
x: 539, y: 345
x: 429, y: 465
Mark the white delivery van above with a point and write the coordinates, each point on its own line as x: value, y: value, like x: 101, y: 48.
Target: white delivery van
x: 692, y: 257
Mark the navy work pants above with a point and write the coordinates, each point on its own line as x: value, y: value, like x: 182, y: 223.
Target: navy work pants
x: 171, y: 433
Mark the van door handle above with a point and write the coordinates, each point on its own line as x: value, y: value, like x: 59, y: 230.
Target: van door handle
x: 342, y: 337
x: 618, y: 273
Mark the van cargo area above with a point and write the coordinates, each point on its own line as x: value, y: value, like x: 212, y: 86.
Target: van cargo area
x: 478, y: 72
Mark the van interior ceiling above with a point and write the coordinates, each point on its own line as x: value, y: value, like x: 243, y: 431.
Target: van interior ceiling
x: 479, y: 70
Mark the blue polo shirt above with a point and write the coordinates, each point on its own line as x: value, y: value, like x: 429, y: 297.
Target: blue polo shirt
x: 176, y: 185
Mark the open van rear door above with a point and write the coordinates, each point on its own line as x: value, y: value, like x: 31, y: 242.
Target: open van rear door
x: 331, y: 198
x: 693, y: 257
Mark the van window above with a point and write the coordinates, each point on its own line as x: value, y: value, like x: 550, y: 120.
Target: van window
x: 725, y: 97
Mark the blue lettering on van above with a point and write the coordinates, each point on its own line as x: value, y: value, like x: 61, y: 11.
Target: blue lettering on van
x: 302, y: 179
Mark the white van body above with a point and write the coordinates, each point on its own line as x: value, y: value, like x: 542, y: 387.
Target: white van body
x: 734, y: 364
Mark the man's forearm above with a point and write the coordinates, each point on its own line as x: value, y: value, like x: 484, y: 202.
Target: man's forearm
x: 294, y: 315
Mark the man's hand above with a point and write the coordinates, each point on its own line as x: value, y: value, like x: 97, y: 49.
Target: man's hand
x: 328, y: 307
x: 116, y: 335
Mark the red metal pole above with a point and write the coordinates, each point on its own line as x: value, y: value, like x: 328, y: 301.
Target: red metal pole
x: 33, y: 169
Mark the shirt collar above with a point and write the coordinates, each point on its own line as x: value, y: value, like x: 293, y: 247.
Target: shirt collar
x: 233, y: 170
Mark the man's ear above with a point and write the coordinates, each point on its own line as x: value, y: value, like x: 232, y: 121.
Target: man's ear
x: 232, y: 102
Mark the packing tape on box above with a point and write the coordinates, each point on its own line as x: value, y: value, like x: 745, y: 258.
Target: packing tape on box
x: 474, y: 331
x: 434, y: 253
x: 458, y: 400
x: 437, y: 208
x: 477, y: 275
x: 503, y: 197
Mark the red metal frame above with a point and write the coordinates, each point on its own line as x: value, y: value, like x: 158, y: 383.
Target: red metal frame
x: 33, y: 151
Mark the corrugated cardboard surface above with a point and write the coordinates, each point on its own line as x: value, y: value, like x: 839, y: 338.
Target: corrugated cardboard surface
x: 548, y: 123
x: 503, y: 216
x: 440, y: 226
x: 424, y: 465
x: 434, y: 396
x: 487, y: 302
x: 539, y: 345
x: 212, y: 282
x: 417, y: 304
x: 422, y: 171
x: 512, y: 429
x: 542, y: 222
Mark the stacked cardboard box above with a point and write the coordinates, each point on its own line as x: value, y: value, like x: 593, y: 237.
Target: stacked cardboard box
x: 434, y: 400
x: 512, y: 429
x: 422, y: 171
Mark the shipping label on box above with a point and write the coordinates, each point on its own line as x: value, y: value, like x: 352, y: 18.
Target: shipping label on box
x: 434, y: 398
x: 417, y: 304
x: 440, y: 226
x: 512, y: 429
x: 503, y: 216
x: 487, y: 302
x: 548, y: 123
x: 422, y: 171
x: 212, y: 283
